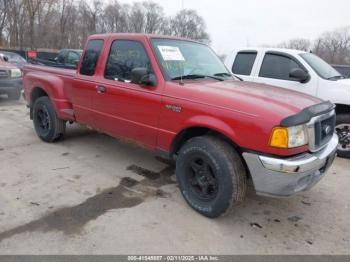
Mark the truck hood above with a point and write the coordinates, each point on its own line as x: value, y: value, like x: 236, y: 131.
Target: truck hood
x: 259, y: 100
x: 344, y: 81
x: 6, y: 66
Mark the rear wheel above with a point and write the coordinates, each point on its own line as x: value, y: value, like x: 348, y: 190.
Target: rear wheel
x: 47, y: 125
x: 211, y: 176
x: 343, y: 131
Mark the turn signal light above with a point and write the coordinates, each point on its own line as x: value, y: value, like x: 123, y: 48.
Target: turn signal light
x: 279, y: 137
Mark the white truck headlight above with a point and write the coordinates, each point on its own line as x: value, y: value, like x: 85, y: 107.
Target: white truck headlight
x: 16, y: 73
x: 297, y: 136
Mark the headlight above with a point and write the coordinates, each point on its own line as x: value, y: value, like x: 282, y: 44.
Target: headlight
x: 290, y: 137
x: 16, y: 73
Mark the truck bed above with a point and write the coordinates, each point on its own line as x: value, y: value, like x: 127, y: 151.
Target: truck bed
x: 57, y: 83
x: 50, y: 69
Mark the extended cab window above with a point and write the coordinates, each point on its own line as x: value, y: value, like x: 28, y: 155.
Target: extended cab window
x: 92, y: 53
x: 124, y: 56
x: 278, y: 67
x: 244, y: 63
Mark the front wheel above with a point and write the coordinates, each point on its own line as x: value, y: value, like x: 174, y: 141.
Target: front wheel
x: 343, y: 131
x: 47, y: 125
x: 211, y: 176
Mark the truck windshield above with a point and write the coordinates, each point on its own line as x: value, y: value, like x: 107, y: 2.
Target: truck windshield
x: 13, y: 58
x: 323, y: 69
x: 181, y: 59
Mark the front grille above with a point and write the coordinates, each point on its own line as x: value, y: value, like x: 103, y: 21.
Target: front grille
x: 4, y: 74
x: 321, y: 130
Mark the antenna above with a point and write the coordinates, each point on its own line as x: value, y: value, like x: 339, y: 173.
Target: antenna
x: 182, y: 83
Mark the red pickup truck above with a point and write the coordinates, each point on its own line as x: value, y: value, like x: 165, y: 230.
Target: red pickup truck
x: 175, y: 97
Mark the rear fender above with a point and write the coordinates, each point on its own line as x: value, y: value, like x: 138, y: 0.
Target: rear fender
x: 53, y: 86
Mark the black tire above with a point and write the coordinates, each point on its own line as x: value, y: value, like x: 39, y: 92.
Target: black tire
x: 14, y: 94
x: 47, y: 125
x: 226, y: 180
x: 343, y: 131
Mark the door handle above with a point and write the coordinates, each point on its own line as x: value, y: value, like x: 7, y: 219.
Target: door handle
x: 101, y: 89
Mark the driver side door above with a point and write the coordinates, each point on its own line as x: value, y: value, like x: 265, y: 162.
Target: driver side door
x: 124, y: 109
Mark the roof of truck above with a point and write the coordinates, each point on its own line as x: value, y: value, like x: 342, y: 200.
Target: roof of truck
x: 273, y: 49
x: 138, y: 36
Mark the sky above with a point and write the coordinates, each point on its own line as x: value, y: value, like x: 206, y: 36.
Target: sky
x: 234, y: 24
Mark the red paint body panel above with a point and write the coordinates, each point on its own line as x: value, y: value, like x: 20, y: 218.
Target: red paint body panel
x: 244, y: 112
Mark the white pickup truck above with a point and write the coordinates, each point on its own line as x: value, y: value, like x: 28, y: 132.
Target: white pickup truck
x: 299, y: 71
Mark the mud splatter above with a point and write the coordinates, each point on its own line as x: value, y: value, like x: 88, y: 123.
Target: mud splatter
x: 294, y: 218
x: 306, y: 203
x: 71, y: 220
x: 144, y: 172
x: 267, y: 212
x: 156, y: 179
x: 129, y: 193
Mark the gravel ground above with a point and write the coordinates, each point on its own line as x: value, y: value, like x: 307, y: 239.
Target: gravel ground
x: 92, y: 194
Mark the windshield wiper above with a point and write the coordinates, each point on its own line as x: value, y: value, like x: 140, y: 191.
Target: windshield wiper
x: 197, y: 77
x: 336, y: 77
x: 229, y: 75
x: 223, y: 74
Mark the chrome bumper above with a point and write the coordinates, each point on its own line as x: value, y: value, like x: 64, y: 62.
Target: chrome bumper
x: 286, y: 177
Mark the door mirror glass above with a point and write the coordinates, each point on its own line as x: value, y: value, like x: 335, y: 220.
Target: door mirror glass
x: 141, y: 76
x: 299, y: 75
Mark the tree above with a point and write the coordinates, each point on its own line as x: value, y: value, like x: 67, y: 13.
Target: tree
x: 137, y: 19
x: 187, y: 23
x: 89, y: 19
x: 154, y: 17
x: 17, y: 20
x: 297, y: 43
x: 67, y: 12
x: 58, y: 24
x: 334, y: 46
x: 4, y: 9
x: 115, y: 17
x: 32, y: 8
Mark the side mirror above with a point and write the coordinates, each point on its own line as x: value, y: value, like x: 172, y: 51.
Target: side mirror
x: 6, y: 59
x: 299, y: 75
x: 141, y: 76
x: 76, y: 63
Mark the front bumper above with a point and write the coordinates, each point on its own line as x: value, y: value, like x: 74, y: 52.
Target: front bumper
x: 286, y: 177
x: 7, y: 85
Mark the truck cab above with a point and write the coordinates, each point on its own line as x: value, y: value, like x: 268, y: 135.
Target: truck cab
x: 299, y: 71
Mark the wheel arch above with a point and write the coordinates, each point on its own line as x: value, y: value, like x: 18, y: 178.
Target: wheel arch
x: 342, y: 109
x: 36, y: 93
x: 196, y: 131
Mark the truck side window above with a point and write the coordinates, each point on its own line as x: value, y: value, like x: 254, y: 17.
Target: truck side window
x: 277, y: 66
x: 92, y: 53
x: 244, y: 63
x: 125, y: 55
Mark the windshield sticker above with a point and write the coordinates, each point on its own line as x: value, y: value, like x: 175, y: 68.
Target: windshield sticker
x: 171, y: 53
